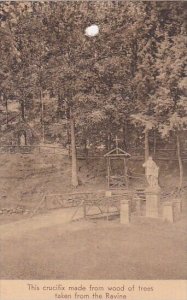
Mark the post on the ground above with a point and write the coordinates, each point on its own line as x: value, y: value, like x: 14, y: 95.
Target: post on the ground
x: 178, y: 206
x: 168, y: 212
x: 108, y: 195
x: 138, y: 205
x: 125, y: 211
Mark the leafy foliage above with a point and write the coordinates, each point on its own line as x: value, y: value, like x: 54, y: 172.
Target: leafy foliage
x: 132, y: 72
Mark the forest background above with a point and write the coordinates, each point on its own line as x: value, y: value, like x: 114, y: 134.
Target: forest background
x: 128, y: 81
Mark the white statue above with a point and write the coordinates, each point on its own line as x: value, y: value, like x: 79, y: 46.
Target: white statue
x: 151, y: 172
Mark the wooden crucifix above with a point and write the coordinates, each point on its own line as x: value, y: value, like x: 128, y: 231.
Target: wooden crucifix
x: 117, y: 145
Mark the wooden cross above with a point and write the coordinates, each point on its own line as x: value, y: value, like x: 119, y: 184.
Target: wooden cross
x: 117, y: 140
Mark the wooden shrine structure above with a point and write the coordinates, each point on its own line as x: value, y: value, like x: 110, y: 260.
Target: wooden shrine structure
x: 117, y: 177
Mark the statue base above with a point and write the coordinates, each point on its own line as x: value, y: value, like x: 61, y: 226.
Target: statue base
x: 152, y: 202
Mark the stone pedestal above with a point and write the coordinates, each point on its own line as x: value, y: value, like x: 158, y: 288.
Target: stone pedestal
x: 167, y: 212
x: 178, y: 206
x: 177, y: 209
x: 152, y: 202
x: 139, y: 206
x: 125, y: 212
x: 108, y: 194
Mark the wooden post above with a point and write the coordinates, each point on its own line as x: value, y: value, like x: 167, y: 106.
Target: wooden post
x: 74, y: 178
x: 126, y: 175
x: 146, y: 144
x: 108, y: 171
x: 154, y: 142
x: 108, y: 194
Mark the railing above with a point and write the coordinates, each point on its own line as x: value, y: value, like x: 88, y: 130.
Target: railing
x: 136, y: 154
x: 33, y: 148
x: 84, y: 200
x: 100, y: 199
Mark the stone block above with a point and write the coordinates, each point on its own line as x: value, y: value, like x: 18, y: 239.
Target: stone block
x: 138, y: 208
x: 177, y: 206
x: 125, y: 212
x: 177, y: 209
x: 108, y: 194
x: 168, y: 212
x: 152, y: 204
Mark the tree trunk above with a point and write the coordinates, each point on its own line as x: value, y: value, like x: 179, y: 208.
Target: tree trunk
x: 125, y: 135
x: 86, y: 150
x: 59, y: 109
x: 180, y: 162
x: 23, y: 109
x: 146, y: 144
x: 68, y: 139
x: 42, y: 116
x: 135, y: 57
x: 154, y: 142
x: 74, y: 178
x: 6, y: 107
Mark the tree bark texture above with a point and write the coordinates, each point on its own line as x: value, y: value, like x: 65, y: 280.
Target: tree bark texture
x: 146, y: 144
x: 179, y: 162
x: 42, y: 116
x: 74, y: 178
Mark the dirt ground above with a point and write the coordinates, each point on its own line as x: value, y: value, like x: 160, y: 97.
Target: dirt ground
x: 147, y: 249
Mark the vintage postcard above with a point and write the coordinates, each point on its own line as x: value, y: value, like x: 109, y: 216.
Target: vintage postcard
x: 93, y: 150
